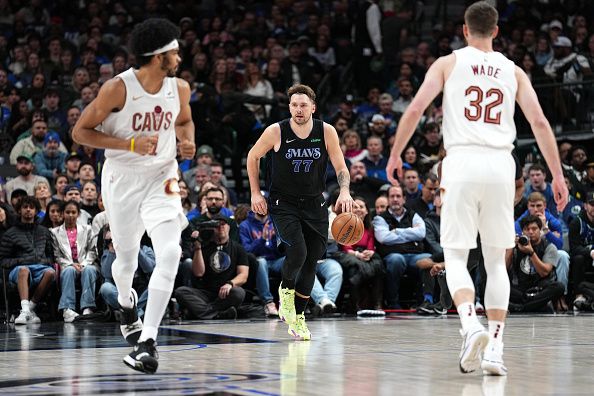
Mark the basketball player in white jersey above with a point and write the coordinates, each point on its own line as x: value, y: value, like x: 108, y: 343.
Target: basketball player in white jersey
x: 137, y: 117
x: 480, y: 88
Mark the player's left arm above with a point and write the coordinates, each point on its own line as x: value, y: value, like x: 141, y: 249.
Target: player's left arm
x: 184, y: 126
x: 345, y: 201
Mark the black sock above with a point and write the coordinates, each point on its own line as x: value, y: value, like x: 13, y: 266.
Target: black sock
x: 300, y: 304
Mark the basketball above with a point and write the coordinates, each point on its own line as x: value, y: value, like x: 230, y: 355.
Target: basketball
x: 347, y: 228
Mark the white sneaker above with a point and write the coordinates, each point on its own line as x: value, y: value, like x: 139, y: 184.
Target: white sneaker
x: 23, y: 318
x: 475, y: 341
x: 327, y: 306
x: 87, y: 311
x: 69, y: 315
x: 33, y: 318
x: 492, y: 363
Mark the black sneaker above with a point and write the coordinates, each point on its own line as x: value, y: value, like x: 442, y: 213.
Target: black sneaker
x: 439, y: 309
x: 425, y: 308
x: 144, y: 357
x: 130, y: 324
x: 229, y: 313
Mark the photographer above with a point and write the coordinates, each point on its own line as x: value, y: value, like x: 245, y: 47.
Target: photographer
x: 219, y: 268
x: 532, y: 262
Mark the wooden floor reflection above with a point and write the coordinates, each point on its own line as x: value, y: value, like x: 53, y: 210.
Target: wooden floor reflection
x: 407, y: 354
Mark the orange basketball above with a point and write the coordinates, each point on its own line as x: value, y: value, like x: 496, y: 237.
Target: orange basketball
x: 347, y: 228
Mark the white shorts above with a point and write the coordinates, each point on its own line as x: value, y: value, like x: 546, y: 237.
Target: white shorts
x: 136, y: 199
x: 477, y: 193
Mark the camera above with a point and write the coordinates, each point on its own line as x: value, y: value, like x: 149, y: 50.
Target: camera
x: 206, y: 229
x: 523, y: 240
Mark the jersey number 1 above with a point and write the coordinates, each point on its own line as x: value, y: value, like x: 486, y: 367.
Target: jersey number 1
x: 475, y: 111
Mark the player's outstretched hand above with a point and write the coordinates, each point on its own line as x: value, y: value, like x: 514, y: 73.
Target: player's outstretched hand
x: 146, y: 145
x: 259, y: 204
x: 187, y: 149
x: 560, y: 193
x: 394, y: 164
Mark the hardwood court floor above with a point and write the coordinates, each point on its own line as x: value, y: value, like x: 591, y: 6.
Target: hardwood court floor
x: 400, y: 355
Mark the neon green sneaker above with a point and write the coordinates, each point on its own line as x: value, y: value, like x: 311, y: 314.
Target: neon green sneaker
x: 286, y: 306
x: 299, y: 329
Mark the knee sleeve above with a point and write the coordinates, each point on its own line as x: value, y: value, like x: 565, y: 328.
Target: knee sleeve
x: 167, y: 255
x: 125, y: 264
x: 497, y: 289
x: 457, y: 275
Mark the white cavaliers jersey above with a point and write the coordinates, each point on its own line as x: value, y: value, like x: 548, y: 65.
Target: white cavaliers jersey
x: 145, y: 114
x: 479, y: 99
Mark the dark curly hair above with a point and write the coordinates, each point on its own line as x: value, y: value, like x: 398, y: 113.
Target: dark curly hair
x: 149, y: 35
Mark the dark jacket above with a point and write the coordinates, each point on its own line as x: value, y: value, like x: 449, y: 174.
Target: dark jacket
x: 433, y: 236
x: 581, y: 235
x: 26, y: 244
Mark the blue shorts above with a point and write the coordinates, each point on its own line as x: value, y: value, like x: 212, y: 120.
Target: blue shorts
x: 36, y: 272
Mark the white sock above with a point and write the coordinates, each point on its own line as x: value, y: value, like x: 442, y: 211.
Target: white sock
x: 468, y: 316
x: 155, y: 308
x: 496, y: 330
x: 25, y: 306
x: 125, y: 302
x: 32, y: 306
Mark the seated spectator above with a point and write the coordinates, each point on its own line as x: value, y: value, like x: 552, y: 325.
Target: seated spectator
x: 537, y: 174
x: 423, y: 204
x: 532, y: 262
x: 76, y: 253
x: 374, y: 161
x: 146, y: 265
x: 54, y: 214
x: 351, y: 146
x: 363, y: 266
x: 72, y: 193
x: 434, y: 267
x: 363, y: 185
x: 429, y: 147
x: 27, y: 248
x: 43, y: 195
x: 86, y: 173
x: 72, y: 165
x: 581, y: 248
x: 399, y: 233
x: 204, y: 156
x: 410, y: 159
x: 89, y: 196
x: 219, y: 270
x: 8, y: 218
x: 26, y: 180
x: 60, y: 182
x: 381, y: 205
x: 34, y: 143
x: 553, y: 231
x: 258, y: 237
x: 412, y: 184
x: 50, y: 161
x: 16, y: 196
x: 588, y: 179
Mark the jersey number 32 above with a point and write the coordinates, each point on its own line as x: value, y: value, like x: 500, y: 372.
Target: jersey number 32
x: 486, y: 111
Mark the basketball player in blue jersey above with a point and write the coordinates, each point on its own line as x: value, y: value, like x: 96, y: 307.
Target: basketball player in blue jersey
x: 480, y: 88
x: 298, y: 152
x: 137, y: 117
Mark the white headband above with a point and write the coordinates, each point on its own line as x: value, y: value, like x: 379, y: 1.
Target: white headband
x: 171, y: 46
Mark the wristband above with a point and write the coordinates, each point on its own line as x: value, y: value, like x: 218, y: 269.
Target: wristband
x: 532, y: 254
x: 132, y: 145
x: 230, y: 283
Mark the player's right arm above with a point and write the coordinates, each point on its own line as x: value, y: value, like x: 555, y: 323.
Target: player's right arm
x: 269, y: 139
x: 431, y: 87
x: 112, y: 96
x: 528, y: 101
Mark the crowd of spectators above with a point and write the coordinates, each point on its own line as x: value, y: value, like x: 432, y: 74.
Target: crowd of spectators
x: 240, y: 58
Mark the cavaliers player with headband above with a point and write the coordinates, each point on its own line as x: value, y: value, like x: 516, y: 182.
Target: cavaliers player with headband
x: 480, y: 88
x: 137, y: 117
x: 298, y: 151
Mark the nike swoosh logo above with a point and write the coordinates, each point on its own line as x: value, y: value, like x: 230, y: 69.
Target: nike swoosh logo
x: 322, y: 203
x: 290, y: 141
x: 137, y: 97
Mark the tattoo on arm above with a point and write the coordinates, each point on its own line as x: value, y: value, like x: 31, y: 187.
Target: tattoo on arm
x: 344, y: 179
